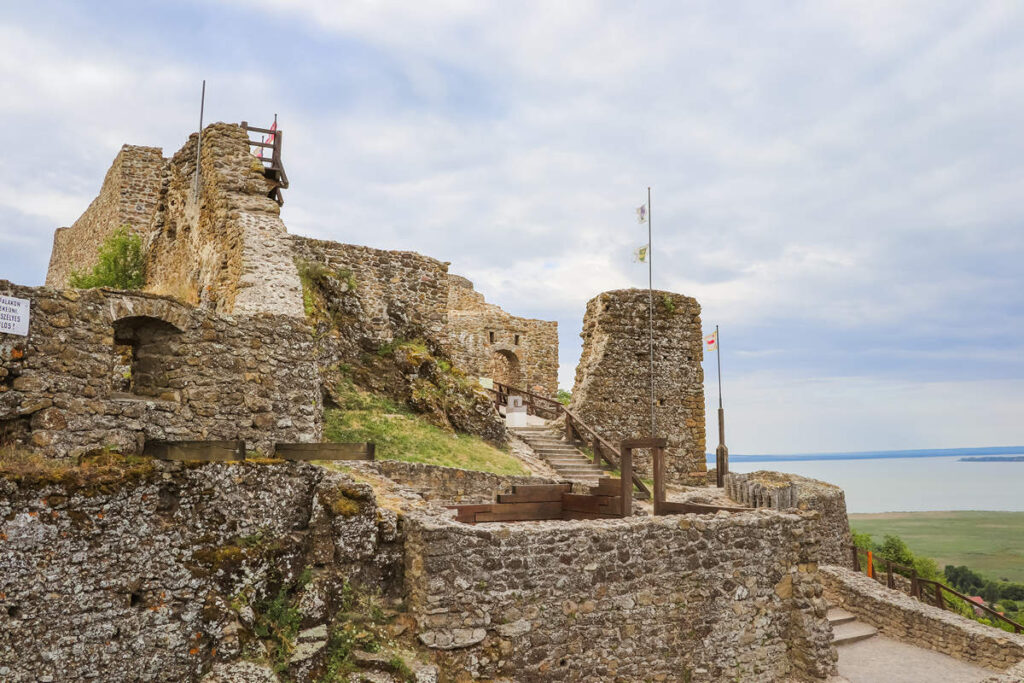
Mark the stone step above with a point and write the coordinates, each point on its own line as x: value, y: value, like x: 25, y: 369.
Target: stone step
x: 837, y: 615
x: 580, y: 468
x: 852, y: 632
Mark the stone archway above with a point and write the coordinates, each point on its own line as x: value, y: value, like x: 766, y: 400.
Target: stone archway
x: 505, y: 368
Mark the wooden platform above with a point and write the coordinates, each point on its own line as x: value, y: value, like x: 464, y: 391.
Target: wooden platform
x: 548, y: 501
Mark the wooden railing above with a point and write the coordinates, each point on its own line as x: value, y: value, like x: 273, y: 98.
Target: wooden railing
x: 275, y: 168
x: 927, y: 591
x: 606, y: 455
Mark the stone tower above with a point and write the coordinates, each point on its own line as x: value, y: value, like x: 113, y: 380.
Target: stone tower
x: 612, y: 390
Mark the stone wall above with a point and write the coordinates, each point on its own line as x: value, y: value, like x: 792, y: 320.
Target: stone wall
x: 693, y: 598
x: 782, y: 490
x: 449, y: 484
x: 71, y: 385
x: 384, y: 295
x: 488, y: 342
x: 228, y: 251
x: 612, y: 390
x: 130, y: 196
x: 903, y: 618
x: 155, y: 575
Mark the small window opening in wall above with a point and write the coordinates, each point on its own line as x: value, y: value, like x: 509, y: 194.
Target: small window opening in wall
x: 661, y: 401
x: 14, y: 612
x: 517, y: 340
x: 145, y: 353
x: 491, y: 336
x: 135, y: 600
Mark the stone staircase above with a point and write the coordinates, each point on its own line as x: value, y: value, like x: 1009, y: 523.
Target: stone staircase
x: 846, y: 629
x: 563, y: 457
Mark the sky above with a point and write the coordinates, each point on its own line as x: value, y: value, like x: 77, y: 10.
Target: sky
x: 838, y: 183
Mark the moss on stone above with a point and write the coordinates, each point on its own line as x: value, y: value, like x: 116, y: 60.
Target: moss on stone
x: 99, y: 472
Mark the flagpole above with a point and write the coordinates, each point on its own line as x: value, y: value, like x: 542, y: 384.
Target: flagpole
x: 650, y: 307
x: 721, y: 453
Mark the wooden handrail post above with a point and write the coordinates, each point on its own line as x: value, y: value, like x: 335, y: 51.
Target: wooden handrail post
x: 597, y: 451
x: 658, y: 455
x: 856, y: 558
x: 626, y: 481
x: 871, y: 565
x: 939, y: 602
x: 889, y: 580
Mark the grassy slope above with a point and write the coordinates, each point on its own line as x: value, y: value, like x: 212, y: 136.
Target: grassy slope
x: 401, y: 435
x: 990, y: 543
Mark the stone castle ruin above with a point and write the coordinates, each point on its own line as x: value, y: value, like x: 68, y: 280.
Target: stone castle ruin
x: 219, y: 256
x: 215, y: 246
x: 240, y: 571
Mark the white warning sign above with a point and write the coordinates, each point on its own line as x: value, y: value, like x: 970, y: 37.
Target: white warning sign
x: 14, y: 315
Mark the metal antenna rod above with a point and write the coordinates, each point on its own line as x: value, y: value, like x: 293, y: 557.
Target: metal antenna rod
x: 199, y: 144
x: 650, y: 306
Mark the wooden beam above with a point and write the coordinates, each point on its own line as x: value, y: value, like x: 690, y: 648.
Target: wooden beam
x: 659, y: 478
x: 626, y: 468
x: 325, y: 451
x: 203, y: 451
x: 643, y: 443
x: 673, y: 508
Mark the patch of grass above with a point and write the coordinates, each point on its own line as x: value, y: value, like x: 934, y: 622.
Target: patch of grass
x: 402, y: 435
x: 991, y: 543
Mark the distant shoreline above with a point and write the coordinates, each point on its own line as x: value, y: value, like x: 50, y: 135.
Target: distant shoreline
x: 985, y: 453
x: 994, y: 458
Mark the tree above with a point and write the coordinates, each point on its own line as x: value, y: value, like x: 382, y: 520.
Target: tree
x: 121, y: 264
x: 564, y: 397
x: 894, y: 549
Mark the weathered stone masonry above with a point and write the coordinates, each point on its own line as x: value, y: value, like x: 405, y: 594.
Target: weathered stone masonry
x: 149, y: 578
x: 105, y: 368
x: 488, y: 342
x: 782, y: 491
x: 129, y: 197
x: 612, y: 390
x: 667, y: 598
x: 396, y: 294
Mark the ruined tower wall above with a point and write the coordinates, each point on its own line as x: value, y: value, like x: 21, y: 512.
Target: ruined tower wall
x: 228, y: 252
x: 67, y: 388
x: 612, y: 390
x: 129, y: 196
x: 488, y: 342
x: 392, y: 294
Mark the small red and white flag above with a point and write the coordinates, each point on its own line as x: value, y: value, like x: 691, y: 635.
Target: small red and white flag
x: 711, y: 342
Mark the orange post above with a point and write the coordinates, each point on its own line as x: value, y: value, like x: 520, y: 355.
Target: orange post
x: 871, y: 565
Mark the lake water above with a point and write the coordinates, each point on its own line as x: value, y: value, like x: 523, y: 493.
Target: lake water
x: 909, y: 484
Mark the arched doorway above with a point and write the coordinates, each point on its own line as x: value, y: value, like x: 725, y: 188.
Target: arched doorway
x: 504, y: 368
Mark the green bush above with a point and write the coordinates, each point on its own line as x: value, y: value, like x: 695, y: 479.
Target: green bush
x: 564, y: 397
x: 121, y: 265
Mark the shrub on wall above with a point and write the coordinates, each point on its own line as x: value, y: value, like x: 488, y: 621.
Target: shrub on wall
x: 121, y: 265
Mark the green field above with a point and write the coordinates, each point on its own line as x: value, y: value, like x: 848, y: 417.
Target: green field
x: 990, y: 543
